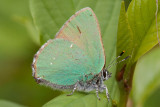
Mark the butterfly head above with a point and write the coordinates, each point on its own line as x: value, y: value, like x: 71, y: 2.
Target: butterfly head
x: 106, y: 74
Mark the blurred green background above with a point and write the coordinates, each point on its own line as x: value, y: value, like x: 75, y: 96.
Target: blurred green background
x: 19, y: 41
x: 17, y: 49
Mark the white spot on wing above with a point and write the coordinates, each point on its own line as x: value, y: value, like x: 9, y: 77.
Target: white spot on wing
x: 71, y: 45
x: 51, y: 63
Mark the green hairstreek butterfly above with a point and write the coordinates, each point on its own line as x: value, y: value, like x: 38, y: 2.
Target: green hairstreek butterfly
x: 75, y: 59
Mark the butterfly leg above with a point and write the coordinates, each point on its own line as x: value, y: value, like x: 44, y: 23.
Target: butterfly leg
x: 107, y: 94
x: 75, y: 87
x: 97, y: 92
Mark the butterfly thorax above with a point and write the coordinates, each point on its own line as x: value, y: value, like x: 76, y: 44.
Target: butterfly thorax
x: 96, y: 82
x: 90, y: 85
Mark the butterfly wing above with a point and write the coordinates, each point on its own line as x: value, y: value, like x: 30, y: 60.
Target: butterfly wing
x: 77, y: 51
x: 61, y: 62
x: 83, y: 30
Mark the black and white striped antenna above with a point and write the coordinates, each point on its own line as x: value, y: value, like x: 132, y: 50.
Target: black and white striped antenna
x: 112, y: 63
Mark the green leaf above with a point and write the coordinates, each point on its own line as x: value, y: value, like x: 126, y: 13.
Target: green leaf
x: 124, y: 36
x: 127, y: 2
x: 141, y: 17
x: 124, y: 43
x: 50, y: 15
x: 137, y: 31
x: 78, y: 100
x: 146, y: 77
x: 4, y: 103
x: 136, y: 35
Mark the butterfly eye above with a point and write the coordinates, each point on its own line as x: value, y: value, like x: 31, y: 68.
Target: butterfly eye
x: 104, y: 73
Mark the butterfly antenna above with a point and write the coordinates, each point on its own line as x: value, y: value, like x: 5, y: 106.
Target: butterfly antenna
x: 118, y: 62
x: 116, y: 59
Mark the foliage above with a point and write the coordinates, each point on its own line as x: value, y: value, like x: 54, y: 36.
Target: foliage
x: 137, y: 35
x: 135, y: 32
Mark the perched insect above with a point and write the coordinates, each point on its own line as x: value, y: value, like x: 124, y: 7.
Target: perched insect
x: 75, y: 59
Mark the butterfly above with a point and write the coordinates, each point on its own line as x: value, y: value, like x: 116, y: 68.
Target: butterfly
x: 75, y: 59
